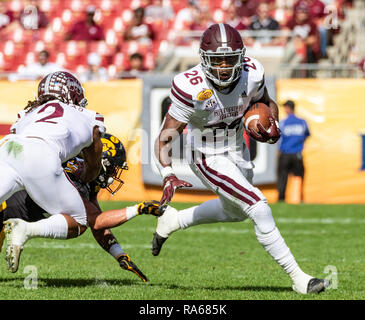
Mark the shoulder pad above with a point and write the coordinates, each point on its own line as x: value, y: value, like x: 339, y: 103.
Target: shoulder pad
x: 255, y: 73
x: 254, y: 68
x: 191, y: 85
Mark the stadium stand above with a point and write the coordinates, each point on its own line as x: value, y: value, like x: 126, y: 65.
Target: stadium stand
x: 175, y: 42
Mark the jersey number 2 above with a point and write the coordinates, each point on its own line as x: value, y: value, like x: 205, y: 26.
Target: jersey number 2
x: 57, y: 113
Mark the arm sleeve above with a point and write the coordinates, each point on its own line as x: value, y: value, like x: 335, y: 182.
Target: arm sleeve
x: 99, y: 121
x: 260, y: 90
x: 180, y: 112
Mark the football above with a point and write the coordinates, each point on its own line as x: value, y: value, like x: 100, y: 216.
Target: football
x: 257, y: 112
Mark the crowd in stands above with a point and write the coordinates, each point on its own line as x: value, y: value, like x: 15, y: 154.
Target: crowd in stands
x: 109, y: 39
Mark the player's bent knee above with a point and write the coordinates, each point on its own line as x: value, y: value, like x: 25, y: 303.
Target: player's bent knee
x: 260, y: 213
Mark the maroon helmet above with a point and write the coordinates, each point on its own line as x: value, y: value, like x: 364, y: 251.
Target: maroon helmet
x: 64, y: 86
x: 221, y: 42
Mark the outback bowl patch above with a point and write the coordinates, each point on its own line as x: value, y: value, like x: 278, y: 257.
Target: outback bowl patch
x: 205, y: 94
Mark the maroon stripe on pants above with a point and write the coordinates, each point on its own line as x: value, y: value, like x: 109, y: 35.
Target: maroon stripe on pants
x: 231, y: 181
x: 224, y: 187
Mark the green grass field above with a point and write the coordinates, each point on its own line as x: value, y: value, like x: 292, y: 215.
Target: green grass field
x: 216, y: 261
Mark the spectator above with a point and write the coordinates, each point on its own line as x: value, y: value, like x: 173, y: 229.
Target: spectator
x: 138, y: 29
x: 315, y: 8
x: 316, y: 13
x: 203, y: 20
x: 283, y: 11
x: 186, y: 16
x: 135, y: 67
x: 263, y: 21
x: 305, y: 33
x: 233, y: 19
x: 246, y: 9
x: 32, y: 17
x: 37, y: 70
x: 87, y: 29
x: 157, y: 11
x: 294, y: 132
x: 94, y: 72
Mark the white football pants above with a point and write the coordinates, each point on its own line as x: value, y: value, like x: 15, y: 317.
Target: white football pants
x: 238, y: 200
x: 34, y: 165
x: 231, y: 182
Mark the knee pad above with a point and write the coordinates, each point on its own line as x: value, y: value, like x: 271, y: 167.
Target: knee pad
x: 260, y: 213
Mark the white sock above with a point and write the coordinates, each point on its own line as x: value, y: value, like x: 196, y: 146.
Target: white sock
x: 168, y: 222
x: 208, y: 212
x: 54, y: 227
x: 275, y: 245
x: 131, y: 212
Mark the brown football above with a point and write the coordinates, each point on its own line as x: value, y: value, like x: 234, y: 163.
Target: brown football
x: 257, y: 112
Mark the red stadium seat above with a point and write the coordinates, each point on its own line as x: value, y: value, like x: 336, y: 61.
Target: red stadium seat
x: 15, y: 5
x: 119, y: 61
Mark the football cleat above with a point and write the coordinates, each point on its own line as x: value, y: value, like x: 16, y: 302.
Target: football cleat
x: 16, y: 237
x: 317, y: 285
x: 151, y: 207
x: 126, y: 263
x: 167, y: 223
x: 157, y: 243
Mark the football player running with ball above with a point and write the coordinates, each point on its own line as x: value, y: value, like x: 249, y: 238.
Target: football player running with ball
x: 211, y: 99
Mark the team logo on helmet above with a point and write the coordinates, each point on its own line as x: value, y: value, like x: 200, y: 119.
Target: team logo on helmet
x: 109, y: 147
x: 113, y: 163
x: 205, y: 94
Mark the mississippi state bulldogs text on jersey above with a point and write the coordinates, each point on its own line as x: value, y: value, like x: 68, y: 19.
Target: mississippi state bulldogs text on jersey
x: 69, y: 126
x: 215, y: 119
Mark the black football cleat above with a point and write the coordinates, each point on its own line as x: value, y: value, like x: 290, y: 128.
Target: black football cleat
x: 151, y: 207
x: 126, y: 263
x: 317, y: 285
x: 157, y: 243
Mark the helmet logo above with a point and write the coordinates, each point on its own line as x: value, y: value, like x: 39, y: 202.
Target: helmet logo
x: 109, y: 147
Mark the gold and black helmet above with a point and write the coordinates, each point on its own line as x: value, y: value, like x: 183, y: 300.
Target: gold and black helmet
x: 114, y: 161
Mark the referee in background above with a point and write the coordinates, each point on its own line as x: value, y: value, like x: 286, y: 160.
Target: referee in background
x: 294, y: 132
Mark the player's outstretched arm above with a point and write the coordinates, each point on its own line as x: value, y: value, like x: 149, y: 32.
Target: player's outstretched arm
x: 106, y: 240
x: 171, y: 129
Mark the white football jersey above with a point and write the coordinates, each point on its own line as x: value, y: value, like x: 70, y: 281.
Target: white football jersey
x: 68, y: 126
x: 215, y: 118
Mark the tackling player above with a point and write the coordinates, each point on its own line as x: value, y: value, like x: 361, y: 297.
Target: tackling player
x: 21, y: 206
x: 211, y: 99
x: 51, y: 130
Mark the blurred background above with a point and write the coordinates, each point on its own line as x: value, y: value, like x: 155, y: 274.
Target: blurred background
x: 126, y: 53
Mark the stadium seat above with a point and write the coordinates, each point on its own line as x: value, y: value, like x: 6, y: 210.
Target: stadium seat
x: 15, y: 6
x: 119, y: 61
